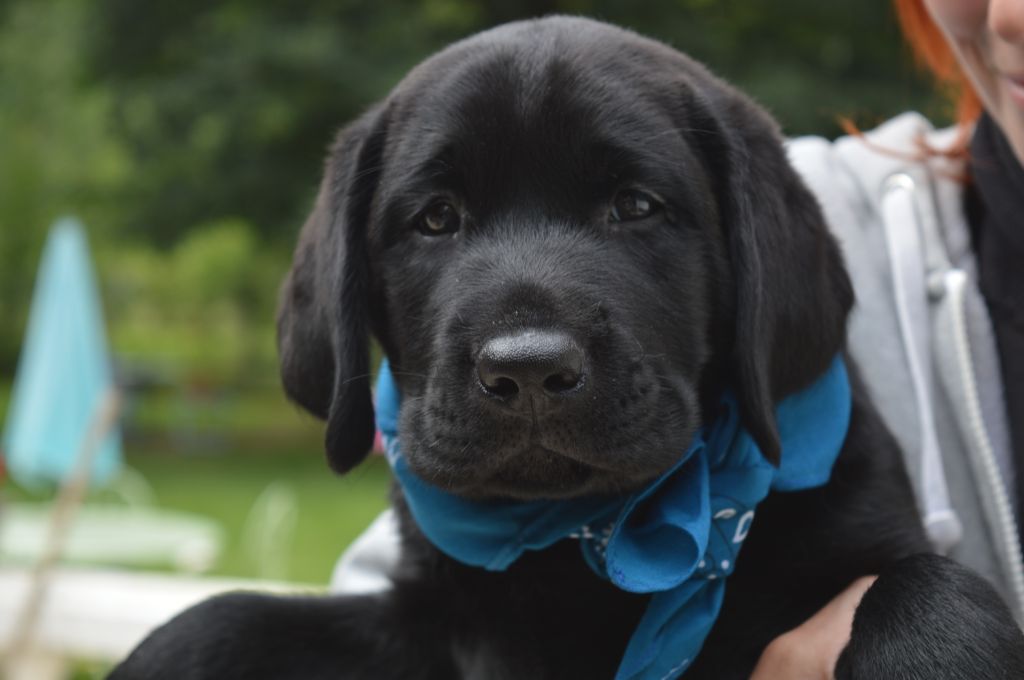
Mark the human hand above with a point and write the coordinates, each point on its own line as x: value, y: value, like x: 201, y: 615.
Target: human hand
x: 810, y: 651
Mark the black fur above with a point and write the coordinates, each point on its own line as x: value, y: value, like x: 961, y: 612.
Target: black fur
x: 530, y: 131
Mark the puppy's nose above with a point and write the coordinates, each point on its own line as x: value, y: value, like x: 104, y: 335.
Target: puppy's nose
x: 536, y: 362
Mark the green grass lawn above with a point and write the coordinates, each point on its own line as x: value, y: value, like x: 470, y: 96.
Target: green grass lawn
x: 331, y: 510
x: 215, y: 457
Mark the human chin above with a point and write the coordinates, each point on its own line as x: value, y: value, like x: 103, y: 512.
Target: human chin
x: 998, y: 78
x: 1011, y: 121
x: 1010, y: 112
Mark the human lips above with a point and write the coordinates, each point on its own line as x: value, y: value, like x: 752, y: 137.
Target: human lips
x: 1015, y: 87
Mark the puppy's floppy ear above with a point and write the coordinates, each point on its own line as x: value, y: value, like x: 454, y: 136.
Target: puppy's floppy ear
x: 792, y: 292
x: 323, y: 320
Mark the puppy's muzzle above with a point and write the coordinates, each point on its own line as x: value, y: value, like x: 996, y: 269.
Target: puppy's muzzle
x: 531, y: 368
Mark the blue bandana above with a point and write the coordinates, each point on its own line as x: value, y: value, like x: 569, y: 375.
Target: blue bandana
x: 677, y: 538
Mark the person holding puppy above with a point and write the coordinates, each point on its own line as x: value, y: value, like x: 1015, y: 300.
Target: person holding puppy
x: 932, y: 228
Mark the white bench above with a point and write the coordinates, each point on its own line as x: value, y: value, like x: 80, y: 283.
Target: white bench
x: 102, y: 614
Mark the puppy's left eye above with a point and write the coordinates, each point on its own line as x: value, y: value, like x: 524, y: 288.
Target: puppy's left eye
x: 440, y: 218
x: 632, y: 204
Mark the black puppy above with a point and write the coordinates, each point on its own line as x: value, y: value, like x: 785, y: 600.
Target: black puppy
x: 570, y: 241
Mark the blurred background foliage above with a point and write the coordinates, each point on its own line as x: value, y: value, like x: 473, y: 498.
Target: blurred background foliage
x: 189, y: 137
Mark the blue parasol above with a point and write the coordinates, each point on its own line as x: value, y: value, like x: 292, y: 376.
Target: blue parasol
x: 64, y: 372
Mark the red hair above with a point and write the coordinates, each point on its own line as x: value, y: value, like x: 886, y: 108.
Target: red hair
x: 932, y: 51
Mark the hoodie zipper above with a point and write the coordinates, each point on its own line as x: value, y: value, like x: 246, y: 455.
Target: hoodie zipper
x: 905, y: 241
x: 955, y: 282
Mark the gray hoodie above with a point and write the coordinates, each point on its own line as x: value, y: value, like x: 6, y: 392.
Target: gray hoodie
x: 921, y: 335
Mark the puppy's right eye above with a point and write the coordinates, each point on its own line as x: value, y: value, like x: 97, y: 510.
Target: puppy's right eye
x: 439, y: 219
x: 633, y: 204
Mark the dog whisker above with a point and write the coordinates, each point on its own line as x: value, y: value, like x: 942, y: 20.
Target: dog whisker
x: 410, y: 374
x: 354, y: 378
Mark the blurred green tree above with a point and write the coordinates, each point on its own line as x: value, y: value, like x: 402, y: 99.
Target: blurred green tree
x: 227, y: 107
x: 58, y: 151
x: 153, y: 121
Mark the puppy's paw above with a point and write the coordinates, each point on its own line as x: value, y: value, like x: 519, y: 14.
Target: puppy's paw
x: 252, y: 636
x: 195, y: 644
x: 929, y: 618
